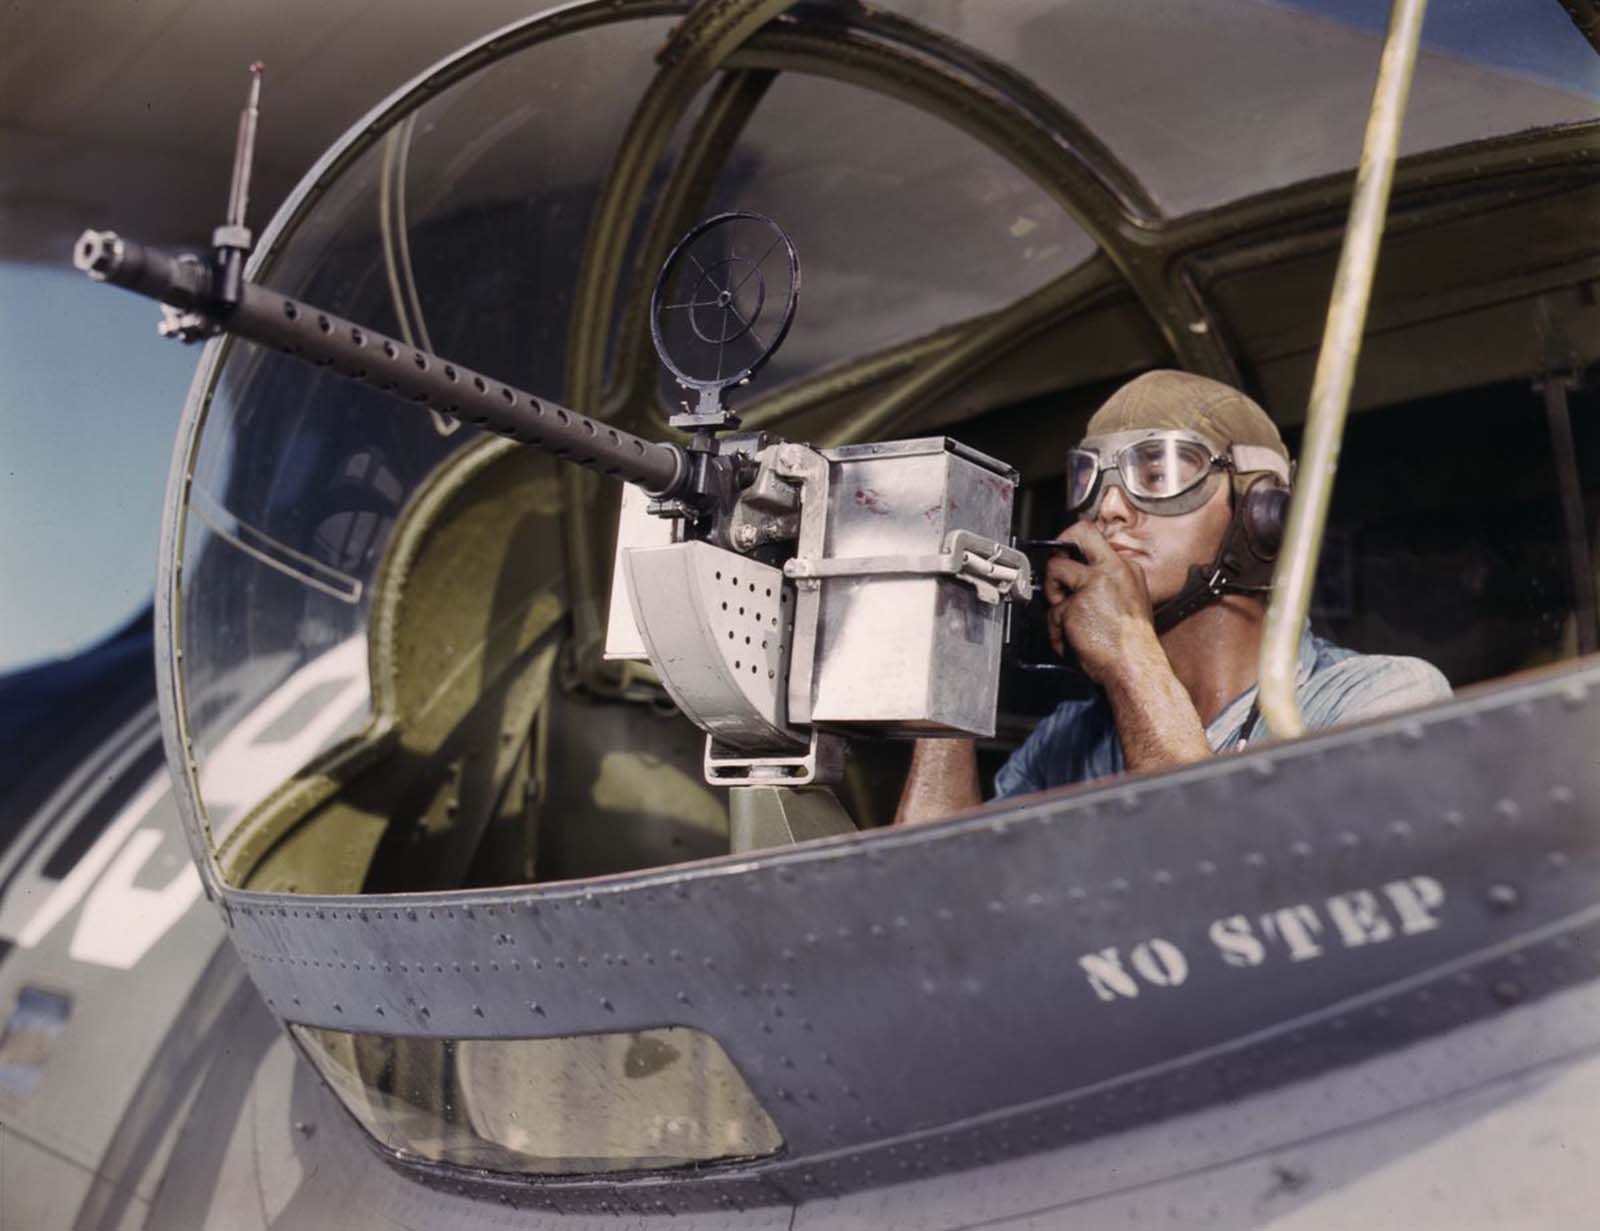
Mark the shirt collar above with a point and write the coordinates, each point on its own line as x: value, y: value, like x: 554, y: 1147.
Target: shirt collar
x: 1227, y: 728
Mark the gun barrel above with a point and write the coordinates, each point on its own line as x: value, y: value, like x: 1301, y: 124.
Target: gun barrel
x: 404, y: 372
x: 181, y: 279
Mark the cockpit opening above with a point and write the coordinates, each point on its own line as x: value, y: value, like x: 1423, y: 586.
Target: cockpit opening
x: 387, y: 631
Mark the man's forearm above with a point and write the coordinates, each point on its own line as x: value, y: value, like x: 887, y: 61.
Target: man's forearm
x: 1156, y: 720
x: 943, y: 780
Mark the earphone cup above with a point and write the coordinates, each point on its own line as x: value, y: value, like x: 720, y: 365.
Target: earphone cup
x: 1266, y: 512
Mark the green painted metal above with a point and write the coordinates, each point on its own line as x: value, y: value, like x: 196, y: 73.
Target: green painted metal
x: 467, y: 610
x: 765, y: 816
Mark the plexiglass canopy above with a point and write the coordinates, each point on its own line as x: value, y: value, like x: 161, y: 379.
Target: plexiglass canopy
x: 462, y: 227
x: 458, y: 216
x: 1208, y: 101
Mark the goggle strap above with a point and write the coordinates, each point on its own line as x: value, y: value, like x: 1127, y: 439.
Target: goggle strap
x: 1250, y: 458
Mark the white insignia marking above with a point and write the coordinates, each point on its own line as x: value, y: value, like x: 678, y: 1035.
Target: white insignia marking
x: 121, y: 921
x: 69, y: 892
x: 244, y: 768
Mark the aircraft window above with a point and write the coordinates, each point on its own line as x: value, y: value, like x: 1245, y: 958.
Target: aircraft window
x: 272, y: 728
x: 1252, y: 97
x: 307, y: 707
x: 903, y: 223
x: 307, y: 570
x: 298, y: 475
x: 609, y: 1102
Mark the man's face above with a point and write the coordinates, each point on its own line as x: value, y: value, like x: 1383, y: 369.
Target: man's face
x: 1163, y: 548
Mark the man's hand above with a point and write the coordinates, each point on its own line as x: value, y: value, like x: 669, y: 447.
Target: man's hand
x: 1099, y: 605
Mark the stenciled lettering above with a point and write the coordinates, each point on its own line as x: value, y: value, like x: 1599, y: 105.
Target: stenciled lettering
x: 1160, y: 962
x: 1107, y: 976
x: 1414, y: 899
x: 1236, y: 942
x: 1301, y: 932
x: 1297, y: 925
x: 1359, y: 918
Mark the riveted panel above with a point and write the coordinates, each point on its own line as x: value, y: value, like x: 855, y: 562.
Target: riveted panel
x: 1401, y: 877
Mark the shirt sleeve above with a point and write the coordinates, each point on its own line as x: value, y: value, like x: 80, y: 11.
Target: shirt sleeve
x: 1022, y: 773
x: 1050, y: 755
x: 1369, y: 685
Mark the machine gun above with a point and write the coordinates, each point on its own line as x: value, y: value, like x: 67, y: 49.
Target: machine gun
x: 786, y: 595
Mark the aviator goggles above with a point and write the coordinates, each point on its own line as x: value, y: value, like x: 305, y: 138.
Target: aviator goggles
x: 1164, y: 472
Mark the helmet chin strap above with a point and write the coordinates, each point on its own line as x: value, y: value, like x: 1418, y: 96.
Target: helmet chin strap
x: 1239, y: 567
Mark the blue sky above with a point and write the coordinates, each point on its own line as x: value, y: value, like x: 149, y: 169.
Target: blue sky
x: 89, y: 406
x: 1535, y: 39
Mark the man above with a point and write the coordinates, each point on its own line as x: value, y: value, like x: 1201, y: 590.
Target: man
x: 1164, y: 605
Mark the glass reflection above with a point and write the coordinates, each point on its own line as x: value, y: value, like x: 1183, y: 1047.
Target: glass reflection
x: 606, y: 1102
x: 464, y: 226
x: 1223, y: 101
x: 873, y: 193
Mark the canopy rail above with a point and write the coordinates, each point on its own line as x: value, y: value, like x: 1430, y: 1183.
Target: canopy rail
x: 965, y: 97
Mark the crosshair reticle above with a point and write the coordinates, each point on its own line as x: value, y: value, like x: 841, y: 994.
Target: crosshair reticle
x: 724, y: 301
x: 716, y: 313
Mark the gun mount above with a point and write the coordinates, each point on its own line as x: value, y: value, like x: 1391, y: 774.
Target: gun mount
x: 785, y: 595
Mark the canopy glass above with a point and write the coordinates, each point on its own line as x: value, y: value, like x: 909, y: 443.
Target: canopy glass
x: 298, y: 474
x: 462, y: 230
x: 1207, y: 101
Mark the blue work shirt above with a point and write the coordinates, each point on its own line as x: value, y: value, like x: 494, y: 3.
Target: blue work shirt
x: 1078, y: 741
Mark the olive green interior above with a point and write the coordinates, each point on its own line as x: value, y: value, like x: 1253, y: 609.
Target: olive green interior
x: 468, y: 599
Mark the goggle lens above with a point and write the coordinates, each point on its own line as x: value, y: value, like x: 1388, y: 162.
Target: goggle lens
x: 1083, y: 468
x: 1158, y: 469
